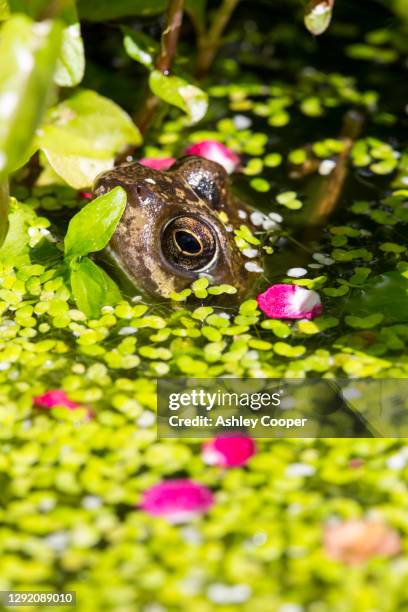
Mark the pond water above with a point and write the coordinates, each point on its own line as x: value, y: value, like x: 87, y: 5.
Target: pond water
x: 353, y: 255
x: 70, y: 480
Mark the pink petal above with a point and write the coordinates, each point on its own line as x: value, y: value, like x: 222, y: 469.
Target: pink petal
x: 217, y: 152
x: 356, y: 462
x: 86, y: 195
x: 157, y: 163
x: 55, y: 397
x: 357, y: 540
x: 177, y: 500
x: 228, y: 451
x: 290, y: 302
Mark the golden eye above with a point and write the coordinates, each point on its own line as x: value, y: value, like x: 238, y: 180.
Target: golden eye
x: 188, y: 243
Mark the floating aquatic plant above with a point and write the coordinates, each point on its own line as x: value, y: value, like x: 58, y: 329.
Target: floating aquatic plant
x: 83, y: 500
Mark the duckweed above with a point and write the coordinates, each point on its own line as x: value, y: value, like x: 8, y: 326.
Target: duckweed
x: 70, y: 485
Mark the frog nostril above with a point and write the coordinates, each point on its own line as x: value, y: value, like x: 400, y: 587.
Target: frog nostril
x: 187, y: 242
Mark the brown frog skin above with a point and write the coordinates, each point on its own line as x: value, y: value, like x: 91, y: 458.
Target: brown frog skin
x: 170, y: 233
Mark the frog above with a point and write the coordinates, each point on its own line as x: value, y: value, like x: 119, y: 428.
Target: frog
x: 178, y: 226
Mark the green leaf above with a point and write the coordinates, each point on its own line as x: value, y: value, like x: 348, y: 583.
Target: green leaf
x: 178, y: 92
x: 71, y: 61
x: 92, y: 227
x: 104, y: 10
x: 82, y: 136
x: 4, y: 10
x: 92, y: 288
x: 365, y: 322
x: 318, y: 15
x: 15, y: 246
x: 28, y: 54
x: 140, y: 47
x: 4, y: 209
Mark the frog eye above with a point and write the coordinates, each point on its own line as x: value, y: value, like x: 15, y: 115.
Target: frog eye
x: 206, y: 178
x: 188, y: 243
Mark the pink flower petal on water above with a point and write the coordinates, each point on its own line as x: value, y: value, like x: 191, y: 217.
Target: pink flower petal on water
x: 228, y: 451
x: 217, y: 152
x: 356, y: 463
x: 55, y: 397
x: 58, y: 398
x: 177, y: 500
x: 290, y: 302
x: 357, y: 540
x: 157, y: 163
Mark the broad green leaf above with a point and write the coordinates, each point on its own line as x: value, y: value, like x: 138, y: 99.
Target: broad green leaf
x: 140, y: 47
x: 77, y: 170
x: 4, y: 209
x: 71, y: 61
x: 15, y: 247
x: 47, y: 176
x: 178, y: 92
x: 92, y: 288
x: 104, y: 10
x: 4, y: 10
x: 92, y: 227
x: 82, y: 136
x: 318, y: 15
x: 28, y: 54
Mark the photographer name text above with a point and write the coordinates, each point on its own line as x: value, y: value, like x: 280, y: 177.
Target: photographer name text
x: 204, y: 421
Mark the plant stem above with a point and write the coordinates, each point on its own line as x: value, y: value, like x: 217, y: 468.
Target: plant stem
x: 170, y: 36
x: 164, y: 60
x: 330, y: 190
x: 209, y: 41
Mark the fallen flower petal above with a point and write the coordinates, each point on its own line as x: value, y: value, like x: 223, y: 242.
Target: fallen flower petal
x: 356, y: 463
x: 177, y: 500
x: 228, y: 451
x: 86, y: 195
x: 55, y: 397
x: 157, y: 163
x: 217, y: 152
x: 58, y: 398
x: 357, y: 540
x: 290, y: 302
